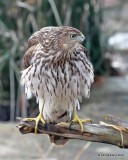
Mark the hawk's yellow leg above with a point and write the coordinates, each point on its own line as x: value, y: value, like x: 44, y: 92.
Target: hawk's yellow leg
x: 76, y: 119
x: 37, y: 119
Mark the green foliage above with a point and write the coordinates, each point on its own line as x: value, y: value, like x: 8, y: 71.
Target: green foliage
x: 19, y: 19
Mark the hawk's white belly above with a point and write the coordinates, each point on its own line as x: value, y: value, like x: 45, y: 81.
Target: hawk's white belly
x: 60, y: 87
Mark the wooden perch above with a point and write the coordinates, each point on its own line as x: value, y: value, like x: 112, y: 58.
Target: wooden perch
x: 115, y: 133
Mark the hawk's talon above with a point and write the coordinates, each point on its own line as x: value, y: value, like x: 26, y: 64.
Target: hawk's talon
x: 86, y: 120
x: 37, y: 119
x: 76, y: 119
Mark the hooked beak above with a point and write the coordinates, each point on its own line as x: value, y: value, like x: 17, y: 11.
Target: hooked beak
x: 84, y: 41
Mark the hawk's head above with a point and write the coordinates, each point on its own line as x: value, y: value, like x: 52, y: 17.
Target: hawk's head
x: 59, y: 38
x: 69, y: 37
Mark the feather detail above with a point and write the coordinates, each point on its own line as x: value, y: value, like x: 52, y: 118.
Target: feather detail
x: 28, y: 93
x: 24, y: 82
x: 78, y: 105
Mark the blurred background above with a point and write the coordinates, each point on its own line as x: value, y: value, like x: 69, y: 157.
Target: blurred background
x: 105, y: 25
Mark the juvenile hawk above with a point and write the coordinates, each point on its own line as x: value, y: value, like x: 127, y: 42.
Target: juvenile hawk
x: 58, y: 71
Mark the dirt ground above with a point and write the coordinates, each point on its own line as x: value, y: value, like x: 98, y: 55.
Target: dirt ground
x: 111, y: 98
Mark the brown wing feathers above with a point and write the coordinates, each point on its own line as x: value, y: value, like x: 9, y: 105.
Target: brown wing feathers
x: 32, y: 42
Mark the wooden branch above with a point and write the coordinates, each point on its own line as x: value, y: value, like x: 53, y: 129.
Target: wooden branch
x: 115, y: 133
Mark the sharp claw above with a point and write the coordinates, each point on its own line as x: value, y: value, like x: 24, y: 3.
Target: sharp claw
x: 45, y: 126
x: 70, y: 125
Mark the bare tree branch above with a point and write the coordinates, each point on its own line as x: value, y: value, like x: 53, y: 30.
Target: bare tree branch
x: 115, y: 132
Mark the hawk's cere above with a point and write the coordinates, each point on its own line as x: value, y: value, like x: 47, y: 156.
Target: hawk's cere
x: 58, y: 71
